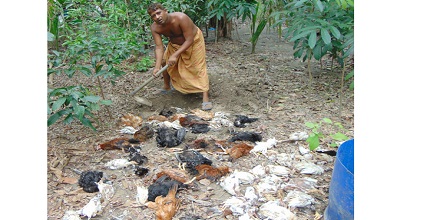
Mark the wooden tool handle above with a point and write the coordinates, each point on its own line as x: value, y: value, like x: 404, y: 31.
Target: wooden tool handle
x: 150, y: 79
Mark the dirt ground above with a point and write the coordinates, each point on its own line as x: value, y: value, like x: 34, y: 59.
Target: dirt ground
x: 269, y: 85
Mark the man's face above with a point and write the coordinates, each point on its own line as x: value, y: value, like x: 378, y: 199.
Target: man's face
x: 159, y: 16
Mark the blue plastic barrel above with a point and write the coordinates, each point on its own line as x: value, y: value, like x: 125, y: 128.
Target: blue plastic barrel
x: 341, y: 192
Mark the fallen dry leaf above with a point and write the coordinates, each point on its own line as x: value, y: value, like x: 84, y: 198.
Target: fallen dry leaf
x: 69, y: 180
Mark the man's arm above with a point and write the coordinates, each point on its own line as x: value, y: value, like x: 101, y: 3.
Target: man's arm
x: 159, y: 49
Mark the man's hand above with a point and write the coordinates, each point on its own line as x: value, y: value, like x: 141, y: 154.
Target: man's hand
x: 154, y: 72
x: 172, y: 60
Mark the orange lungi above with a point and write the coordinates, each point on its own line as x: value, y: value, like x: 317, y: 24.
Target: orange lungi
x: 189, y: 75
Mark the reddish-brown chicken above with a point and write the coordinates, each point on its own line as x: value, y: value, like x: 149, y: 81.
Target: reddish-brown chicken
x: 239, y: 150
x: 190, y: 120
x: 165, y: 207
x: 211, y: 173
x: 117, y: 144
x: 175, y: 174
x: 157, y: 118
x: 143, y: 134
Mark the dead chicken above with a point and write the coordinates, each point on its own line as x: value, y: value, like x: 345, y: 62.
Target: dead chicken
x: 208, y: 144
x: 239, y: 150
x: 157, y: 118
x: 88, y: 180
x: 190, y: 119
x: 165, y: 207
x: 144, y: 134
x: 191, y: 159
x: 211, y: 173
x: 246, y: 136
x: 170, y: 137
x: 117, y: 144
x: 131, y: 120
x: 241, y: 121
x: 161, y: 187
x: 175, y: 174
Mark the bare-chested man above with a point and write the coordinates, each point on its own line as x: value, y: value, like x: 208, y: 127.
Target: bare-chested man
x: 185, y: 53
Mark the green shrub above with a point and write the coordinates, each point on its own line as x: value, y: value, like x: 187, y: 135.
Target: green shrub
x: 73, y: 103
x: 319, y: 133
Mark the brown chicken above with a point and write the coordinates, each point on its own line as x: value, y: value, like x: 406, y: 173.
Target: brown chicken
x: 176, y: 117
x: 175, y: 174
x: 190, y: 120
x: 117, y: 144
x: 211, y: 173
x: 131, y: 120
x: 208, y: 144
x: 165, y: 207
x: 144, y: 134
x: 157, y: 118
x: 239, y: 150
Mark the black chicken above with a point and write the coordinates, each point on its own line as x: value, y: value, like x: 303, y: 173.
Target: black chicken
x: 162, y: 186
x: 241, y: 120
x: 246, y: 136
x: 192, y: 158
x: 88, y: 180
x: 170, y: 137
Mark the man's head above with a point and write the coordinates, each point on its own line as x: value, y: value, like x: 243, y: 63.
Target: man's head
x: 157, y: 13
x: 154, y: 6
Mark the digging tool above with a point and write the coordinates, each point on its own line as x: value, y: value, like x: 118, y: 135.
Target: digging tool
x: 144, y: 100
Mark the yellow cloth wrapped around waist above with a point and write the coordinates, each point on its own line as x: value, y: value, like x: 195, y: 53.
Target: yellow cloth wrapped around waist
x: 189, y: 75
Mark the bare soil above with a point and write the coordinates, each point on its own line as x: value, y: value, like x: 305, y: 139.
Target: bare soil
x: 270, y: 85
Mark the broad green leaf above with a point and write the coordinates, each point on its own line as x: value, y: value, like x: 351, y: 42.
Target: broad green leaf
x: 68, y: 119
x: 349, y: 75
x: 349, y: 51
x: 320, y: 6
x: 335, y: 32
x: 312, y: 39
x: 317, y: 52
x: 339, y: 137
x: 56, y: 116
x: 53, y: 118
x: 79, y: 111
x: 76, y: 95
x: 86, y: 71
x: 309, y: 124
x: 351, y: 86
x: 57, y: 104
x: 327, y: 120
x: 325, y: 35
x: 87, y: 122
x: 313, y: 141
x: 298, y: 53
x: 300, y: 3
x: 302, y: 34
x: 70, y: 72
x: 92, y: 99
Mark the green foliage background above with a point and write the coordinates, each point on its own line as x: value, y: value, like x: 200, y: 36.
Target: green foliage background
x: 93, y: 37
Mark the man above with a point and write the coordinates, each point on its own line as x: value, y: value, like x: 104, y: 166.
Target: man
x: 185, y: 54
